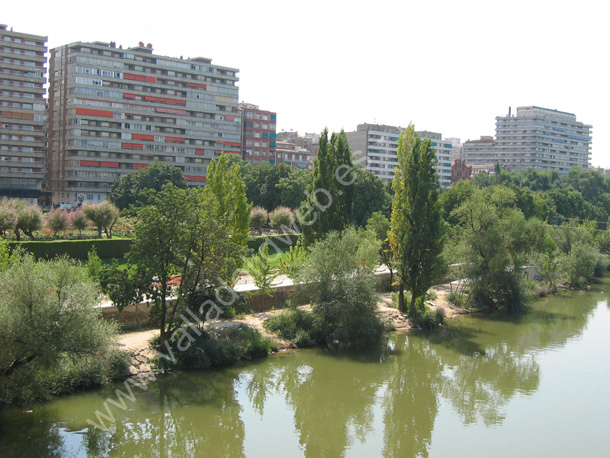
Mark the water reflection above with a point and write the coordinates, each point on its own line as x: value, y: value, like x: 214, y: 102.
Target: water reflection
x: 339, y: 404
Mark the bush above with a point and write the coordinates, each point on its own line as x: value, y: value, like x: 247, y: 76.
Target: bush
x: 57, y: 220
x: 303, y: 329
x: 425, y: 318
x: 458, y: 299
x: 281, y: 217
x: 217, y: 348
x: 283, y: 242
x: 339, y: 276
x: 52, y: 336
x: 258, y: 218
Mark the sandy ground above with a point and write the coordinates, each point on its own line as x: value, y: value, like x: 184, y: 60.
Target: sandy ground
x: 136, y: 344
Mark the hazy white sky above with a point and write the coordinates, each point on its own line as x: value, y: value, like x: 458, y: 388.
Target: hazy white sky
x: 447, y: 66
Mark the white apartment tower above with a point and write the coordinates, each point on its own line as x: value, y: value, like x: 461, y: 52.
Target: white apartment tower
x: 537, y: 138
x: 375, y: 147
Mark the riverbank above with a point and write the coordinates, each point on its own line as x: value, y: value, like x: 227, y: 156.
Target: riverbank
x: 137, y: 344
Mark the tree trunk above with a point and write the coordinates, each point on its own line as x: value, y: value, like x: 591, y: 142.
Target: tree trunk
x: 412, y: 307
x: 401, y: 299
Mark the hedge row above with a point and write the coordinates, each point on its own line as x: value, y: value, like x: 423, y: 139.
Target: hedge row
x: 118, y: 248
x: 76, y: 249
x: 280, y: 242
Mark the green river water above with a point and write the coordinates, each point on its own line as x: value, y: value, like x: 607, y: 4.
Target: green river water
x: 537, y: 385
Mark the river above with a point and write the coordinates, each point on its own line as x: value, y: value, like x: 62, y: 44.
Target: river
x: 536, y: 385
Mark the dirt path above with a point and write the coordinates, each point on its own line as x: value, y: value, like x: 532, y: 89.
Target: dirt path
x: 136, y: 344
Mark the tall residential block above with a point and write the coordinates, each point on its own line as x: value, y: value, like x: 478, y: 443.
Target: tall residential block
x: 375, y: 146
x: 22, y: 114
x: 258, y: 134
x: 537, y: 138
x: 113, y: 111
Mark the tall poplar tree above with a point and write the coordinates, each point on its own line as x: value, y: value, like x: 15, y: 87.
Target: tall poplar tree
x: 328, y: 206
x: 225, y: 195
x: 417, y: 231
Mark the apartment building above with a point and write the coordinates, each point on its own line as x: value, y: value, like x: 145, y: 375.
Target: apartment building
x: 113, y: 111
x: 543, y: 139
x: 375, y: 147
x: 537, y: 138
x: 22, y: 114
x: 259, y: 137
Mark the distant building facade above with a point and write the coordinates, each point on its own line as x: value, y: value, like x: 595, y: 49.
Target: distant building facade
x: 22, y: 114
x: 113, y: 111
x: 537, y: 138
x: 375, y: 146
x: 259, y: 135
x: 460, y: 171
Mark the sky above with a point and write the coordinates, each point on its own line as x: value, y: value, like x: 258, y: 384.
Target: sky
x: 445, y: 66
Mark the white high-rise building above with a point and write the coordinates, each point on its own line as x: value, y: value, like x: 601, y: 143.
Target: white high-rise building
x: 375, y: 146
x: 536, y: 138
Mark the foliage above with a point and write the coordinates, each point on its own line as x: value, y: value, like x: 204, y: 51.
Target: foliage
x: 417, y: 228
x: 75, y: 249
x: 214, y: 348
x: 261, y: 184
x: 58, y: 220
x: 258, y: 218
x: 280, y: 218
x: 427, y: 319
x: 339, y: 276
x: 261, y: 271
x: 579, y: 264
x: 292, y: 188
x: 94, y: 265
x: 224, y: 197
x: 330, y: 198
x: 280, y: 242
x: 29, y: 219
x: 302, y: 328
x: 5, y: 255
x: 496, y: 241
x: 245, y: 168
x: 129, y: 192
x: 182, y: 253
x: 103, y: 215
x: 379, y: 225
x: 294, y: 262
x: 372, y: 197
x: 79, y: 221
x: 50, y: 328
x: 8, y: 217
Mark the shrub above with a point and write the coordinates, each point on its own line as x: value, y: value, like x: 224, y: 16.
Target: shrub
x: 52, y: 336
x: 458, y: 299
x: 29, y: 220
x: 339, y: 275
x: 75, y: 249
x: 281, y: 217
x: 258, y: 218
x: 57, y: 220
x: 217, y: 348
x: 8, y: 217
x: 103, y: 216
x: 78, y: 221
x: 303, y: 329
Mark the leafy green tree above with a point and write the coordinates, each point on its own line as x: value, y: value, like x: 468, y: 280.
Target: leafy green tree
x: 126, y: 192
x: 188, y: 251
x: 50, y: 328
x: 103, y: 215
x: 225, y: 196
x: 330, y: 198
x: 261, y: 184
x: 258, y: 218
x: 244, y: 167
x: 79, y: 221
x: 57, y: 220
x: 339, y: 274
x: 379, y: 225
x: 8, y: 217
x: 417, y: 228
x: 29, y: 219
x: 292, y: 188
x: 496, y: 241
x: 371, y: 196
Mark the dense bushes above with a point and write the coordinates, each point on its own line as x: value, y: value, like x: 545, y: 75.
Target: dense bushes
x: 52, y: 336
x: 215, y: 348
x: 303, y: 329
